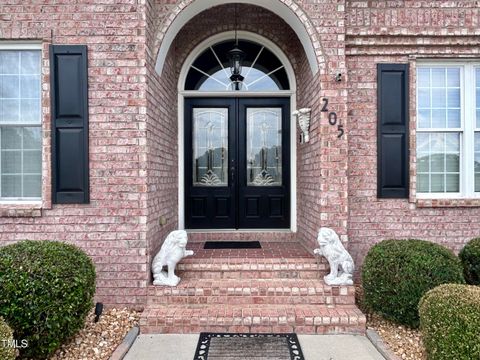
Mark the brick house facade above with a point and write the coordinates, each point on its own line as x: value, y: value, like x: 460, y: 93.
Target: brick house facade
x: 137, y: 51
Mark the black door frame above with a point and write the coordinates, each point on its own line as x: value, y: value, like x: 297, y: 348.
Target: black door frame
x: 237, y: 191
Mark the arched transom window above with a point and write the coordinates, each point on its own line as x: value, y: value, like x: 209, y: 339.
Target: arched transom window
x: 261, y: 69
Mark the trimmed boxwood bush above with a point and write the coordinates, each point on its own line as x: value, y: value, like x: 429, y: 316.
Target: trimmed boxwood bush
x: 46, y: 292
x: 397, y: 273
x: 450, y: 322
x: 470, y: 257
x: 6, y: 337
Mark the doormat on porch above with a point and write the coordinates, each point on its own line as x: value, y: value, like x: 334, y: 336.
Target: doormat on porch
x: 209, y: 245
x: 222, y: 346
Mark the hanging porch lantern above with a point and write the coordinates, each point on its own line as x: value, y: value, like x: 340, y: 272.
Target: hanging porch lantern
x: 236, y: 57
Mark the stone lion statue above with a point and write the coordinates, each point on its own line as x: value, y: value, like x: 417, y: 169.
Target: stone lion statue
x: 173, y: 250
x: 340, y: 261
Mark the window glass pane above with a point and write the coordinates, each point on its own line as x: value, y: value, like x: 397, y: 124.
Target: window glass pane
x: 423, y: 162
x: 9, y: 86
x: 424, y: 119
x: 438, y: 77
x: 30, y: 111
x: 439, y: 98
x: 423, y: 142
x: 423, y: 183
x: 30, y: 86
x: 32, y: 186
x: 9, y: 61
x: 11, y: 186
x: 424, y: 98
x: 438, y: 162
x: 438, y: 183
x: 453, y: 98
x: 11, y: 162
x: 11, y: 138
x: 439, y: 118
x: 30, y: 62
x: 453, y: 77
x: 21, y: 162
x: 9, y: 111
x: 32, y: 138
x: 452, y: 183
x: 32, y: 161
x: 423, y: 77
x: 454, y: 120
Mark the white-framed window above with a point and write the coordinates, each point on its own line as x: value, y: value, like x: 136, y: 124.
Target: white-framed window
x: 448, y: 130
x: 20, y: 123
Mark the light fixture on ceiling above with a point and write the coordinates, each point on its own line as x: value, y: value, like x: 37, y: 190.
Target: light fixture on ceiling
x: 236, y: 56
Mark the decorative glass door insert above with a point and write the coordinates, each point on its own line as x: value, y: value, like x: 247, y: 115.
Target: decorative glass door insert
x: 264, y: 146
x: 210, y: 146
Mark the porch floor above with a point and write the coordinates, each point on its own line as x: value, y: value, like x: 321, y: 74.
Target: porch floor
x: 269, y: 250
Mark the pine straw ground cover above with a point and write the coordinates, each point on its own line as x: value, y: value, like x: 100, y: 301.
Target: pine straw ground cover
x: 97, y: 341
x: 404, y: 342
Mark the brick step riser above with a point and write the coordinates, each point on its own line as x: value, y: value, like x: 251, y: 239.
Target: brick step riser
x: 245, y: 300
x: 252, y: 274
x: 300, y: 329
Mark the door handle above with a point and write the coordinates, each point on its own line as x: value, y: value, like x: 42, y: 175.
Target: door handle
x: 232, y: 174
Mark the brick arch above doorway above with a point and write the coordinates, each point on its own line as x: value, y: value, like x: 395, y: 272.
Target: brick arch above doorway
x: 290, y: 12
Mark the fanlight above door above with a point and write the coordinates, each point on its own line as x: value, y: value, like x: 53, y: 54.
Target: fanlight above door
x: 261, y: 69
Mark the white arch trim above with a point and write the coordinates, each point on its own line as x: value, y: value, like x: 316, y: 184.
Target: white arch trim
x: 245, y: 35
x: 275, y: 6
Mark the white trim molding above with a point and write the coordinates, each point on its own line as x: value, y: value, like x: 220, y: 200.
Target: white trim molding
x: 245, y: 35
x: 275, y: 6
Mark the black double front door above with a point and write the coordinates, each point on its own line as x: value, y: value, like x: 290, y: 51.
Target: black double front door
x: 237, y: 163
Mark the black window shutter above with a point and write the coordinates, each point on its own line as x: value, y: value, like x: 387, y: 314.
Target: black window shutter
x: 392, y: 141
x: 69, y: 109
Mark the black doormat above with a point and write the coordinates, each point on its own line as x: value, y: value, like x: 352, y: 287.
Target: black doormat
x: 232, y: 245
x: 220, y: 346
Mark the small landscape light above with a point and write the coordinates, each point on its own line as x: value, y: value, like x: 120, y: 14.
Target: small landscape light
x: 98, y: 310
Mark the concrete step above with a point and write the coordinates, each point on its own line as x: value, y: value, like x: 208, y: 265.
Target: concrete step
x: 251, y: 291
x: 299, y: 318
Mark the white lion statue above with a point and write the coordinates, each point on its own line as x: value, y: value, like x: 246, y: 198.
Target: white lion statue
x: 173, y: 250
x: 340, y: 261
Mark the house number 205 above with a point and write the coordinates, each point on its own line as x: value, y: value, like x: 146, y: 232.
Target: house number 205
x: 332, y: 118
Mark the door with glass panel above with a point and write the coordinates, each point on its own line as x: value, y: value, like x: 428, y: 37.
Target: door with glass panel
x: 237, y: 156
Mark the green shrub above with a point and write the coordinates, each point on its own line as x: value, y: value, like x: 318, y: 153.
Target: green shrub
x: 47, y: 290
x: 397, y: 273
x: 7, y: 352
x: 450, y: 322
x: 470, y: 257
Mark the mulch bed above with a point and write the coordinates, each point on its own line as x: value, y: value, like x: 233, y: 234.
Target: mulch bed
x: 404, y: 342
x: 97, y: 341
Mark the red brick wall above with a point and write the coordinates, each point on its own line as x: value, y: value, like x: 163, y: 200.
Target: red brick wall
x: 111, y: 229
x: 162, y: 140
x: 133, y: 122
x: 321, y: 164
x: 400, y: 32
